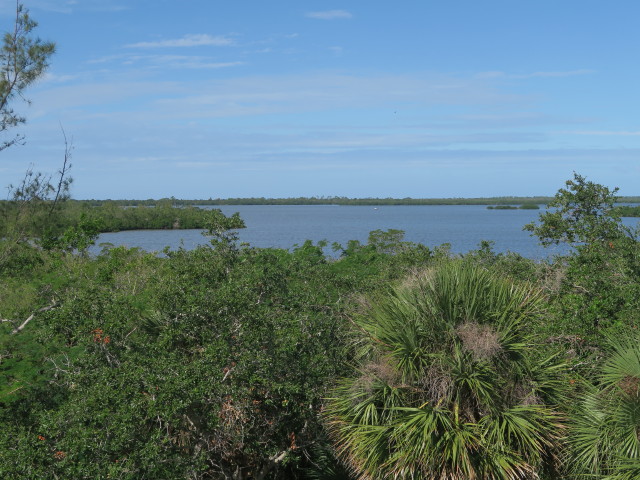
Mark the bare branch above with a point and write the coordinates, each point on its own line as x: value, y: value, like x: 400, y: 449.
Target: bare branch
x: 63, y: 180
x: 273, y: 461
x: 24, y: 324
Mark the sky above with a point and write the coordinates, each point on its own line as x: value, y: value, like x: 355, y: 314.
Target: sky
x: 426, y: 99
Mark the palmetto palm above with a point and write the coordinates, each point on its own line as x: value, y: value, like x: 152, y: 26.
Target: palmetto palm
x: 605, y: 431
x: 445, y: 386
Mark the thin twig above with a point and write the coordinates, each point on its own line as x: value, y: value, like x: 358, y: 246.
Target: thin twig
x: 62, y: 184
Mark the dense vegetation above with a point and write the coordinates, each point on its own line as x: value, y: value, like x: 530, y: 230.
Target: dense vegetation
x: 229, y: 361
x: 110, y: 217
x: 207, y: 363
x: 628, y: 211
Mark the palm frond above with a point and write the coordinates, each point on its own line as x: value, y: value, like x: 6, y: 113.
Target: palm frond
x: 605, y: 430
x: 449, y: 389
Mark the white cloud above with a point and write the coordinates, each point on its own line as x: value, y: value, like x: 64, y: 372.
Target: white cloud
x: 196, y: 40
x: 329, y: 14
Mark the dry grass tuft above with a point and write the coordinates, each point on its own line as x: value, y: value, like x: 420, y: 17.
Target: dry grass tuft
x: 630, y: 385
x: 482, y: 341
x: 437, y: 384
x: 380, y: 370
x: 524, y: 395
x: 415, y: 278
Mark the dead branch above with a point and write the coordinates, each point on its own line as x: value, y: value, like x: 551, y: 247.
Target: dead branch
x: 274, y: 460
x: 63, y: 173
x: 29, y: 318
x: 228, y: 372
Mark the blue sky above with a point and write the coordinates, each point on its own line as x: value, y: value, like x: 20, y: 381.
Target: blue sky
x: 456, y: 98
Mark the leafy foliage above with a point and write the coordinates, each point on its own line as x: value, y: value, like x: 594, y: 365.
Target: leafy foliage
x: 583, y: 213
x: 599, y: 291
x: 210, y: 363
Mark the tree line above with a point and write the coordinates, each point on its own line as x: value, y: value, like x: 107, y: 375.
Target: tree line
x: 341, y: 201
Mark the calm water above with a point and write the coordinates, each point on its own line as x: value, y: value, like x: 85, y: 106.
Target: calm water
x: 463, y: 226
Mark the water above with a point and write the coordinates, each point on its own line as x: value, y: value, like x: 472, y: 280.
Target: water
x: 284, y: 226
x: 463, y: 226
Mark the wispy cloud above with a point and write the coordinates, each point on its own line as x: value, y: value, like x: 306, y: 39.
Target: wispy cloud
x: 329, y: 15
x: 53, y: 78
x: 181, y: 61
x: 253, y: 98
x: 512, y: 119
x: 608, y: 133
x: 258, y: 95
x: 560, y: 74
x: 166, y: 61
x: 198, y: 63
x: 196, y: 40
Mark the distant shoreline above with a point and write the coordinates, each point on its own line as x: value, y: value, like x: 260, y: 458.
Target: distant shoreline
x: 345, y: 201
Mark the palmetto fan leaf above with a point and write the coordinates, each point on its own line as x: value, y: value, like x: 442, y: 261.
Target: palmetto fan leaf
x: 447, y: 389
x: 605, y: 431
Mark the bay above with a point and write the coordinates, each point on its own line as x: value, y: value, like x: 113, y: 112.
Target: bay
x: 285, y: 226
